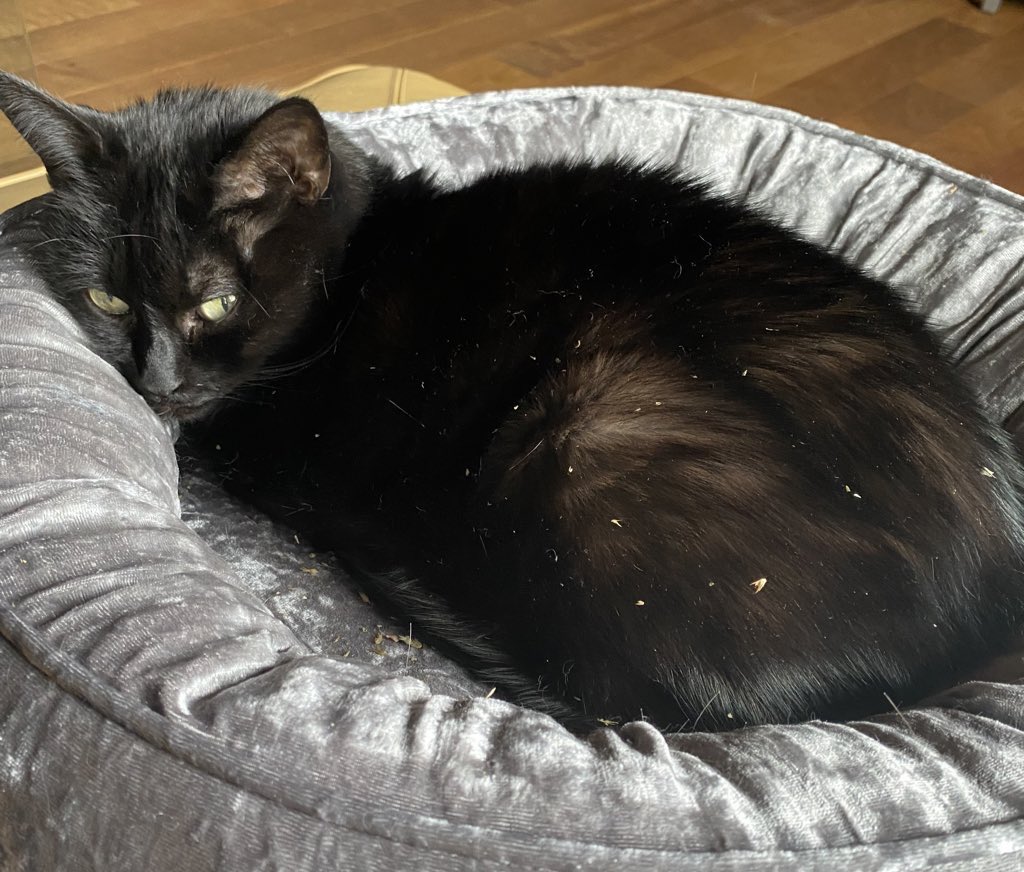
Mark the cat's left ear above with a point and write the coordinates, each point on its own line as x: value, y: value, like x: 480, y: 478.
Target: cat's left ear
x: 284, y: 157
x: 66, y: 137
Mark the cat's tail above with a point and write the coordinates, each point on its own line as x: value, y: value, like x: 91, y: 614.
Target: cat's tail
x: 478, y: 644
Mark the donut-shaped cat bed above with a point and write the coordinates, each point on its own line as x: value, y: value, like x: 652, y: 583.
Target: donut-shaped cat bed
x: 186, y: 686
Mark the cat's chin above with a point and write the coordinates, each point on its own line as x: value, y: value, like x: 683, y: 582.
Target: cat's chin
x: 184, y: 413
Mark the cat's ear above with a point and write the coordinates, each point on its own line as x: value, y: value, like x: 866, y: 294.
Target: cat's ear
x: 63, y: 135
x: 284, y: 157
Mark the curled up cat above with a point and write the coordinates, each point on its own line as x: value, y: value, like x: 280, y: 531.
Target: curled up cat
x: 625, y: 447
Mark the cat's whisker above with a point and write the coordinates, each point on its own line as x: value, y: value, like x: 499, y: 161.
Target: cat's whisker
x: 707, y: 705
x: 48, y: 241
x: 155, y: 241
x: 526, y: 457
x: 254, y: 298
x: 281, y: 370
x: 895, y: 708
x: 264, y: 378
x: 245, y: 400
x: 407, y: 414
x: 348, y: 322
x: 284, y: 170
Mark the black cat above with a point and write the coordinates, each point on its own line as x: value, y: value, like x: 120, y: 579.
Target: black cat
x: 630, y: 448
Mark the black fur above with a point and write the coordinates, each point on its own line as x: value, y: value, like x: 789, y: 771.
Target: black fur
x: 628, y: 448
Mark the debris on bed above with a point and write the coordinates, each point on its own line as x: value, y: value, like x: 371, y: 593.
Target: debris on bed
x: 378, y: 644
x: 380, y: 636
x: 405, y: 640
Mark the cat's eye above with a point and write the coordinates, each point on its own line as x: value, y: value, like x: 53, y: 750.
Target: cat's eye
x: 218, y: 308
x: 107, y: 302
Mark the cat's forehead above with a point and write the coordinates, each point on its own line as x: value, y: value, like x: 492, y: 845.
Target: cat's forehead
x: 157, y: 187
x: 164, y: 149
x: 209, y: 270
x: 171, y: 280
x: 183, y: 122
x: 161, y: 251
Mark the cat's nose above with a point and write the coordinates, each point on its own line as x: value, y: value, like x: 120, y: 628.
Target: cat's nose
x: 160, y: 370
x: 159, y: 380
x: 156, y: 385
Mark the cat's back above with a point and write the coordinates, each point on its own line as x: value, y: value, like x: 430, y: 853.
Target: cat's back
x: 740, y: 470
x: 744, y: 455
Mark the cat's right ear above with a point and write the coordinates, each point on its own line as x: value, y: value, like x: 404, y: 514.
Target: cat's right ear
x: 60, y: 133
x: 284, y: 157
x: 282, y: 161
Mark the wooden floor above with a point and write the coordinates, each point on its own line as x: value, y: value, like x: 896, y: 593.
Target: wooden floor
x: 937, y: 75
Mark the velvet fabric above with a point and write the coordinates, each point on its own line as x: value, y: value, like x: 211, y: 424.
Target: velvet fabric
x: 186, y: 686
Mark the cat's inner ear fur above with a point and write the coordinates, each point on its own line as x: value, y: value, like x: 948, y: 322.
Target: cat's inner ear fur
x: 284, y: 157
x: 65, y: 137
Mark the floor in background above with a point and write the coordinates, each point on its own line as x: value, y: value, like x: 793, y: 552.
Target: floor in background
x: 936, y: 75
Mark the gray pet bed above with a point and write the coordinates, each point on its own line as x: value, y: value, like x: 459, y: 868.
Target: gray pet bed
x: 185, y: 686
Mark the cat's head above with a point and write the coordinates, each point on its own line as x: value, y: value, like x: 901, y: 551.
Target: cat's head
x: 187, y: 234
